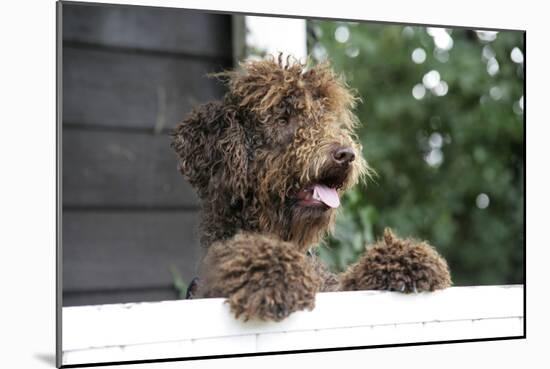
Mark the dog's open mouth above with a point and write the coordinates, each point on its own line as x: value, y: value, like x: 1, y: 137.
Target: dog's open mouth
x: 318, y: 195
x: 323, y: 194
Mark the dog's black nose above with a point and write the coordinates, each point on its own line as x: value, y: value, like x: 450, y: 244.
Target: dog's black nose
x: 343, y: 155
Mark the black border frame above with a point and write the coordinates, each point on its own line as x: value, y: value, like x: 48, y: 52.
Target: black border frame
x: 58, y: 170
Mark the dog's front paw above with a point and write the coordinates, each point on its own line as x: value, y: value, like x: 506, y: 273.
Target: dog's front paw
x: 262, y: 277
x: 398, y: 265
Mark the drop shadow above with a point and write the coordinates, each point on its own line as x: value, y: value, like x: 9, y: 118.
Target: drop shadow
x: 46, y: 358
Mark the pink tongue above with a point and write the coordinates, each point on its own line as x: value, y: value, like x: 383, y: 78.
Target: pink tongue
x: 327, y: 195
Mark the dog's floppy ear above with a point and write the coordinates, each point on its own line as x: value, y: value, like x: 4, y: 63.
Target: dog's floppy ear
x: 192, y: 141
x: 210, y: 143
x: 231, y: 144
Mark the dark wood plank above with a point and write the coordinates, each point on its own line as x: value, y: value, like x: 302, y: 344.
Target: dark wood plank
x: 100, y: 297
x: 122, y: 170
x: 115, y: 89
x: 128, y: 250
x: 159, y: 29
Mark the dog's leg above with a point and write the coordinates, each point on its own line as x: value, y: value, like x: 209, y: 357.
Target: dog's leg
x: 262, y: 277
x: 397, y: 265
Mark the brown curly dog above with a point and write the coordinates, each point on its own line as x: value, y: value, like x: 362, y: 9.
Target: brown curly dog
x: 270, y: 163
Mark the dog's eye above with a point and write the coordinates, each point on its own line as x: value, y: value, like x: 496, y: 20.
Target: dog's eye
x: 292, y: 120
x: 282, y: 122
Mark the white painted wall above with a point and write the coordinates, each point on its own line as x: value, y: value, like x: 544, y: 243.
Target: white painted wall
x: 204, y: 327
x: 276, y: 35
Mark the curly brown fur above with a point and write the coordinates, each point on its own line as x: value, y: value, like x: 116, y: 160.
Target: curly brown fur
x: 330, y: 282
x: 255, y: 159
x: 398, y: 265
x: 270, y: 137
x: 263, y: 277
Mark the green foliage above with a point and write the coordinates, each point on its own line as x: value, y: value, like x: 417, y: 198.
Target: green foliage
x: 177, y: 282
x: 439, y: 158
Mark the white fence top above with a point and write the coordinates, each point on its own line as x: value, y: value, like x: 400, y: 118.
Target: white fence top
x: 187, y: 328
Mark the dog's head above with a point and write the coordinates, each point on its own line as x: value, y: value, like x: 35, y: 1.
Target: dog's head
x: 278, y: 152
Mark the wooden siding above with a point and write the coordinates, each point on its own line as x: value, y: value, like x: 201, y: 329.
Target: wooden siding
x: 130, y: 74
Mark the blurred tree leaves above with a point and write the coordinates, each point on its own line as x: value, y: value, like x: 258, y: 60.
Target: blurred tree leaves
x: 449, y: 161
